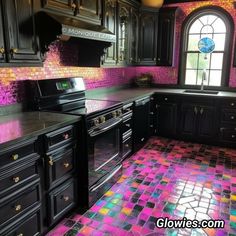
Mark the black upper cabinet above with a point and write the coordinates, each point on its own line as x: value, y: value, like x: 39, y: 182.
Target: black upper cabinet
x: 19, y: 28
x: 234, y: 63
x: 2, y: 44
x: 110, y: 21
x: 133, y: 36
x: 87, y: 10
x: 123, y: 33
x: 166, y: 36
x: 148, y: 31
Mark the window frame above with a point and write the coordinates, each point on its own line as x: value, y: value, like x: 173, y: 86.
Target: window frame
x: 226, y: 17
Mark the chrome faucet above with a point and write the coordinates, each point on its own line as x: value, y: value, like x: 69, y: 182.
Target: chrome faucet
x: 204, y: 77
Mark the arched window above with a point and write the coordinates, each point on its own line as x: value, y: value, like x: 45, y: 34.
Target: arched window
x: 216, y: 24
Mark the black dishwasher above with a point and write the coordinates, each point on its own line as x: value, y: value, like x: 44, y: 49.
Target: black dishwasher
x: 141, y: 122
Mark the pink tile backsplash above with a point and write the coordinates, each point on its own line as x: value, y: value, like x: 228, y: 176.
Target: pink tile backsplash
x: 63, y: 54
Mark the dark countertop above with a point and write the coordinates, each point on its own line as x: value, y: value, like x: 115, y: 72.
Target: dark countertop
x: 131, y: 94
x: 25, y: 125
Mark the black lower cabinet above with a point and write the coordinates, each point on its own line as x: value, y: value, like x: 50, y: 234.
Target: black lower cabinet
x: 29, y: 225
x: 198, y: 122
x: 167, y: 119
x: 141, y: 122
x: 61, y: 200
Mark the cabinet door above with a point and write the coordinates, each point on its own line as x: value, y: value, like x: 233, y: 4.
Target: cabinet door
x: 91, y: 10
x: 166, y: 36
x: 2, y: 45
x: 22, y: 41
x: 133, y: 36
x: 206, y: 122
x: 167, y: 119
x: 148, y: 38
x: 62, y: 6
x: 109, y: 22
x: 123, y: 33
x: 188, y: 121
x: 141, y: 123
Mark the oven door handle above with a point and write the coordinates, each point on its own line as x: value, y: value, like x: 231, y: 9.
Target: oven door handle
x: 93, y: 189
x: 94, y: 133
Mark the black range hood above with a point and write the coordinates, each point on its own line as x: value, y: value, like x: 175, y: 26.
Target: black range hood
x: 76, y: 28
x: 92, y: 39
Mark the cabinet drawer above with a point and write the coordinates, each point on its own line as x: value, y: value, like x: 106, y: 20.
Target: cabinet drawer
x: 228, y: 134
x: 15, y: 179
x: 165, y: 99
x: 24, y: 151
x: 30, y: 225
x: 59, y: 165
x: 59, y: 137
x: 228, y: 115
x: 61, y: 200
x: 228, y: 103
x: 23, y: 201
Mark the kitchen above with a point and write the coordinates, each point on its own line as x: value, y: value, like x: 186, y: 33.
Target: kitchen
x: 114, y: 114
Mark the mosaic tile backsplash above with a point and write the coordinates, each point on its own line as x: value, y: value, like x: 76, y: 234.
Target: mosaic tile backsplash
x: 63, y: 54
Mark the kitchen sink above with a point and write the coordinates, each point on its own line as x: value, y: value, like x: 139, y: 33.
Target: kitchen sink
x: 201, y: 91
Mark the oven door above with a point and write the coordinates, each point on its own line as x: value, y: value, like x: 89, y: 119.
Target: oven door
x: 104, y: 150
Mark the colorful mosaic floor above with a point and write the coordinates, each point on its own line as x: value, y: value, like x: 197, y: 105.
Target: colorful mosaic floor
x: 167, y: 178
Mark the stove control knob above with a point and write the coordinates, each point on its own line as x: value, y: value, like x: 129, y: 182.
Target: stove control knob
x: 119, y: 112
x: 102, y: 119
x: 96, y: 122
x: 114, y: 114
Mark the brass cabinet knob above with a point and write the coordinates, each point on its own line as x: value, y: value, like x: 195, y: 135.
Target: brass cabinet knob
x: 50, y: 162
x: 66, y: 136
x: 2, y: 50
x: 13, y: 50
x: 15, y: 157
x: 18, y: 207
x: 232, y: 117
x: 16, y: 179
x: 66, y: 165
x: 20, y: 234
x: 233, y: 136
x: 166, y: 99
x: 232, y: 104
x: 66, y: 198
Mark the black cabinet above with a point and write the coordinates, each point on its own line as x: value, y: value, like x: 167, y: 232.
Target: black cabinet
x: 141, y: 122
x: 86, y: 10
x: 167, y: 115
x: 133, y: 36
x: 2, y: 43
x: 21, y: 44
x: 148, y: 31
x: 109, y: 22
x: 227, y: 124
x: 166, y: 36
x: 198, y: 122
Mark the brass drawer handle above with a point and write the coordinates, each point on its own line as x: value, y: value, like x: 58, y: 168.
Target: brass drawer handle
x: 2, y: 50
x: 127, y: 125
x: 66, y: 136
x: 16, y: 179
x: 13, y: 50
x: 66, y: 165
x: 50, y: 162
x: 18, y: 207
x: 15, y: 157
x: 66, y: 198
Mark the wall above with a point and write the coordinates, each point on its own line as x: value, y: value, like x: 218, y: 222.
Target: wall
x: 60, y: 55
x: 169, y: 75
